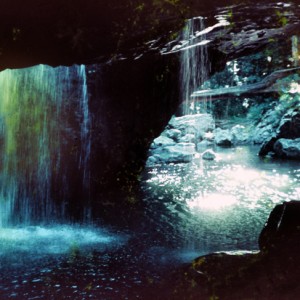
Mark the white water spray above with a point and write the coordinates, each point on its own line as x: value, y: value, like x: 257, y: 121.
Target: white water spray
x: 194, y: 63
x: 45, y: 124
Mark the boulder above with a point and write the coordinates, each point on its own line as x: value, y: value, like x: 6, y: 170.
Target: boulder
x: 177, y: 143
x: 263, y: 134
x: 288, y: 128
x: 286, y: 148
x: 188, y: 138
x: 197, y: 124
x: 264, y: 131
x: 282, y: 230
x: 273, y: 273
x: 208, y: 155
x: 162, y: 141
x: 240, y: 135
x: 173, y: 134
x: 178, y: 153
x: 223, y: 137
x: 151, y: 161
x: 267, y: 147
x: 204, y: 145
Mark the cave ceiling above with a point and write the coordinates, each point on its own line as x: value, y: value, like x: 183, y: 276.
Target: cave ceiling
x: 66, y: 32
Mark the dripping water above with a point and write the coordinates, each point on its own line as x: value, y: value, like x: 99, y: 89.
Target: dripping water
x: 85, y: 142
x: 44, y: 119
x: 194, y: 64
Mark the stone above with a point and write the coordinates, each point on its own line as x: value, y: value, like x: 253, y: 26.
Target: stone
x: 267, y: 147
x: 223, y: 137
x: 282, y: 230
x: 208, y: 155
x: 162, y: 141
x: 127, y: 123
x: 173, y: 134
x: 286, y: 148
x: 204, y: 145
x: 262, y: 134
x: 63, y: 33
x: 288, y: 127
x: 272, y: 273
x: 188, y: 138
x: 151, y: 161
x: 71, y: 32
x: 240, y: 135
x: 197, y: 124
x: 177, y: 143
x: 264, y: 131
x: 178, y: 153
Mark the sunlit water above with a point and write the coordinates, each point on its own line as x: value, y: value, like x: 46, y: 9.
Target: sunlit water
x: 223, y: 204
x: 189, y: 210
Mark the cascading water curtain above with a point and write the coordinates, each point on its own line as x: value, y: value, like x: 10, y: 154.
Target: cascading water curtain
x: 85, y: 134
x: 42, y: 111
x: 194, y: 64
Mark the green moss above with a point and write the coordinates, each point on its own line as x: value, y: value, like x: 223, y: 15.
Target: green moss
x: 27, y: 104
x: 282, y: 19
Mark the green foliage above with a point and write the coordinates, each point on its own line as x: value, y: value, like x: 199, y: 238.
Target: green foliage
x: 249, y: 70
x: 288, y: 101
x: 26, y: 118
x: 229, y: 18
x: 290, y: 94
x: 256, y: 111
x: 282, y: 19
x: 140, y: 7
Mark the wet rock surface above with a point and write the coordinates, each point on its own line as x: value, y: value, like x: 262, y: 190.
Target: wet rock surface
x: 282, y: 230
x: 181, y: 152
x: 178, y: 142
x: 64, y: 33
x: 264, y: 131
x: 286, y: 148
x: 286, y: 128
x: 163, y: 236
x: 271, y: 274
x: 127, y: 119
x: 223, y: 137
x: 208, y: 155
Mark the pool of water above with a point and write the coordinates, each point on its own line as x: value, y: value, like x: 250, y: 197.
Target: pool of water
x: 208, y: 206
x: 188, y: 210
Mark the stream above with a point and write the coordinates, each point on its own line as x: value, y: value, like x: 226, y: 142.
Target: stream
x: 188, y: 210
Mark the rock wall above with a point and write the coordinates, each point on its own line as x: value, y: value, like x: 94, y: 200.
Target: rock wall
x: 131, y: 101
x: 272, y: 273
x: 281, y: 137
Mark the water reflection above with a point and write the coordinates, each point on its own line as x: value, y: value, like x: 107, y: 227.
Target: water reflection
x: 189, y: 210
x: 212, y: 201
x: 219, y: 205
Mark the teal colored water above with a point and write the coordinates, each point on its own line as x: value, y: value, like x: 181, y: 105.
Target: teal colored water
x: 44, y: 125
x: 219, y: 205
x: 189, y: 210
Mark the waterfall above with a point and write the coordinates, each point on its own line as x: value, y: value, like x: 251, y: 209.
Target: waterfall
x: 85, y: 141
x: 44, y: 122
x: 85, y: 128
x: 194, y: 63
